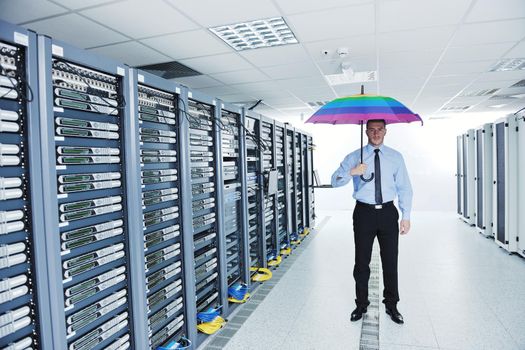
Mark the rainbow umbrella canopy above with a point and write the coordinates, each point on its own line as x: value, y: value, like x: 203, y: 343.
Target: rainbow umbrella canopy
x: 358, y: 109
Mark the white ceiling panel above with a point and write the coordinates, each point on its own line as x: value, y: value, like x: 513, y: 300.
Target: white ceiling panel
x: 444, y: 91
x: 517, y: 51
x: 407, y: 59
x: 209, y: 13
x: 490, y: 32
x: 219, y: 90
x: 489, y: 10
x: 198, y: 81
x: 314, y: 93
x: 335, y: 23
x: 136, y: 20
x: 300, y: 82
x: 404, y: 76
x: 78, y: 4
x: 485, y: 85
x: 19, y: 11
x: 194, y: 43
x: 295, y: 70
x: 427, y: 39
x: 132, y: 53
x: 357, y: 46
x: 463, y: 67
x: 283, y: 102
x: 270, y: 94
x: 242, y: 76
x: 77, y: 26
x: 272, y: 56
x: 258, y: 87
x: 509, y: 75
x: 299, y: 6
x: 358, y: 65
x: 413, y: 14
x: 217, y: 63
x: 453, y: 79
x: 477, y: 52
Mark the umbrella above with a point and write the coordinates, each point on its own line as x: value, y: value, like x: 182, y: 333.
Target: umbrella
x: 357, y: 109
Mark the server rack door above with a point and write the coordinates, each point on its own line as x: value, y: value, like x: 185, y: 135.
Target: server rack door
x: 84, y: 122
x: 511, y: 184
x: 24, y: 297
x: 487, y: 185
x: 282, y: 189
x: 459, y: 174
x: 479, y: 178
x: 465, y: 177
x: 521, y: 185
x: 500, y: 182
x: 162, y: 233
x: 269, y: 235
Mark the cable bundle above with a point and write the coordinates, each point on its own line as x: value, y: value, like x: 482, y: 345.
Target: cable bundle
x: 181, y: 344
x: 238, y: 293
x: 210, y: 321
x: 261, y: 274
x: 294, y: 238
x: 305, y: 232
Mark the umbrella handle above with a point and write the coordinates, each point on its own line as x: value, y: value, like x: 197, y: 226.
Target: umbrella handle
x: 367, y: 180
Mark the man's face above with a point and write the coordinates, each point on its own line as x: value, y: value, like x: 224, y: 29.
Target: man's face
x: 376, y: 133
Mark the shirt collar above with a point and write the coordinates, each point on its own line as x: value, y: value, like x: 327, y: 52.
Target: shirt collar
x: 370, y: 148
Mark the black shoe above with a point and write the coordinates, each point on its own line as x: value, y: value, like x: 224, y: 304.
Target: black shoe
x: 394, y: 315
x: 357, y: 313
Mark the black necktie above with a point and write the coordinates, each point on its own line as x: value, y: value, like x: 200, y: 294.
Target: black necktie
x: 377, y: 170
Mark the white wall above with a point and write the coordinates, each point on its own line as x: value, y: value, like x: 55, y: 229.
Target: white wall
x: 429, y: 152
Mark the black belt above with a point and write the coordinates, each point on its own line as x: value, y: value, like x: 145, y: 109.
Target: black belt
x: 375, y: 206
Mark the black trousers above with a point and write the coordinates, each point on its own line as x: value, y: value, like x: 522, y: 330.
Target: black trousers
x: 369, y: 223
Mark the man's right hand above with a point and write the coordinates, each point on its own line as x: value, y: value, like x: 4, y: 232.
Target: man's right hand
x: 358, y: 170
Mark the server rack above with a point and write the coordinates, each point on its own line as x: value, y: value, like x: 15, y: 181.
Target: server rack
x: 292, y: 209
x: 520, y: 121
x: 234, y: 185
x: 88, y: 188
x: 24, y: 297
x: 283, y: 236
x: 299, y: 181
x: 155, y: 112
x: 505, y: 183
x: 468, y: 177
x: 203, y: 120
x: 459, y: 175
x: 483, y: 178
x: 256, y: 215
x: 268, y: 154
x: 309, y: 185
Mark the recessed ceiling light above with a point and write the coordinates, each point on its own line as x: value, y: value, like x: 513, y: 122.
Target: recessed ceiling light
x: 509, y: 64
x: 256, y: 34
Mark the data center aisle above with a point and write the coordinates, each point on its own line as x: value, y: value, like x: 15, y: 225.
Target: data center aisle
x: 458, y: 291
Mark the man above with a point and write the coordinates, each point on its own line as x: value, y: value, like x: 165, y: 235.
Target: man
x: 375, y: 214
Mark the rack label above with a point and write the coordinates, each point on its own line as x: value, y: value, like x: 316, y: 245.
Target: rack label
x: 141, y: 78
x: 121, y: 71
x: 57, y: 50
x: 21, y: 39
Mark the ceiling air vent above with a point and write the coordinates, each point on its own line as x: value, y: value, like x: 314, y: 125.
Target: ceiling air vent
x: 454, y: 108
x: 317, y: 103
x: 170, y: 70
x: 509, y: 64
x: 484, y: 92
x: 520, y: 83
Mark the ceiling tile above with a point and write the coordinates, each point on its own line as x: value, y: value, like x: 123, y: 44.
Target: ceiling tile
x: 491, y: 32
x: 136, y: 20
x: 271, y: 56
x: 477, y: 52
x: 353, y: 89
x: 463, y: 67
x: 217, y: 63
x: 517, y: 51
x: 295, y: 70
x: 408, y: 59
x: 19, y: 11
x: 188, y: 44
x: 217, y: 91
x: 509, y: 75
x: 77, y: 27
x: 314, y: 93
x: 301, y: 82
x: 489, y: 10
x: 283, y: 102
x: 452, y: 79
x: 358, y: 65
x: 410, y: 14
x: 427, y: 39
x: 243, y: 76
x: 299, y: 6
x: 210, y: 13
x: 198, y: 81
x: 269, y: 94
x: 258, y: 87
x: 132, y: 53
x: 335, y: 23
x: 78, y: 4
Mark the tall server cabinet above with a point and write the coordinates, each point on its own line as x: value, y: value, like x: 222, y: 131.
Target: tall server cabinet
x: 309, y: 188
x: 24, y: 318
x: 520, y: 121
x: 292, y: 198
x: 459, y: 174
x: 255, y: 192
x: 283, y: 236
x: 505, y: 175
x: 206, y: 188
x: 299, y: 151
x: 234, y: 184
x: 269, y: 196
x: 155, y: 106
x: 483, y: 178
x: 84, y: 118
x: 468, y: 177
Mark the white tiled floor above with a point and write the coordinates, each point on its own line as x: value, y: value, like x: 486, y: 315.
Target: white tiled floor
x: 458, y: 291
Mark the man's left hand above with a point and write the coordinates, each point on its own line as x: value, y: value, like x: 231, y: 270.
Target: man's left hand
x: 404, y: 227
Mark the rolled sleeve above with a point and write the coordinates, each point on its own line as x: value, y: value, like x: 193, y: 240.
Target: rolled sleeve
x: 342, y: 175
x: 404, y: 190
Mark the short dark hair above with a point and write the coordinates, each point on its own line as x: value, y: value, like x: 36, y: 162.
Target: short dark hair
x: 375, y: 120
